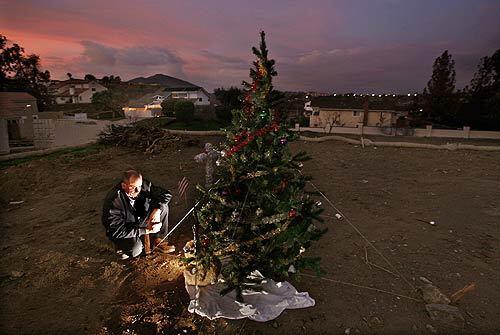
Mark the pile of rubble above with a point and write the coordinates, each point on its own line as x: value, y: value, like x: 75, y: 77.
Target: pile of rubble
x: 439, y: 307
x: 149, y: 138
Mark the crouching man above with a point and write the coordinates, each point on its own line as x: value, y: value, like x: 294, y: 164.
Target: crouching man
x: 133, y: 208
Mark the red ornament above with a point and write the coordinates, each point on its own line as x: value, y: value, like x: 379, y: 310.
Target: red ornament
x: 292, y: 213
x: 205, y: 241
x: 283, y: 185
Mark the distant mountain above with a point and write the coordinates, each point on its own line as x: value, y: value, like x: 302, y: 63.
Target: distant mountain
x: 164, y: 81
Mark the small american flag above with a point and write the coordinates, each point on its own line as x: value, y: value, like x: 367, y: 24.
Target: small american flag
x: 182, y: 188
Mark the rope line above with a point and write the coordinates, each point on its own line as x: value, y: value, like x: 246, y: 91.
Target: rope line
x: 360, y: 286
x: 184, y: 217
x: 363, y: 236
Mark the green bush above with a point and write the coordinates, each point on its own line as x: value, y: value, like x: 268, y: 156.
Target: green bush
x: 184, y: 111
x: 168, y: 107
x: 303, y: 121
x: 223, y: 114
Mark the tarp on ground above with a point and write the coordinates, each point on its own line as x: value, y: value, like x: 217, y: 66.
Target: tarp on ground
x: 266, y: 304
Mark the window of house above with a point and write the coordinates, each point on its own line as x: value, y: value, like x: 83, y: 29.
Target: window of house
x: 200, y: 99
x: 93, y: 89
x: 80, y: 98
x: 316, y: 113
x: 355, y: 113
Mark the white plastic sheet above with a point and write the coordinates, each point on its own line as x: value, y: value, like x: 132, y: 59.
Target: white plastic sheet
x: 264, y: 305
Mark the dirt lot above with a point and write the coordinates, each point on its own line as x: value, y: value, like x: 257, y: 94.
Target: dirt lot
x: 59, y: 275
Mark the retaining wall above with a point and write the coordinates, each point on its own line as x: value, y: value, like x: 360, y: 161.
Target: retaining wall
x: 415, y: 132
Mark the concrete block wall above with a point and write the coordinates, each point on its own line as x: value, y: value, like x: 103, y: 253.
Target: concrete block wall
x: 53, y: 133
x: 464, y: 133
x: 43, y: 133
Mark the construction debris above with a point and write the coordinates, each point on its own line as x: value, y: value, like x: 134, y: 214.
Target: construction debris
x: 445, y: 314
x: 460, y: 293
x: 150, y: 138
x: 431, y: 294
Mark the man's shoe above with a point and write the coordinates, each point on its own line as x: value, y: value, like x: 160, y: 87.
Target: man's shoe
x: 122, y: 256
x: 163, y: 246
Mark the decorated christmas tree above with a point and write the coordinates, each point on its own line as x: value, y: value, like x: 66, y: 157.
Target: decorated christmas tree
x: 257, y: 216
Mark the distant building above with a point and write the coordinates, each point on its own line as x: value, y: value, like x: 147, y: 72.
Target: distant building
x: 75, y: 91
x: 18, y: 109
x: 176, y: 88
x: 322, y: 117
x: 350, y: 112
x: 197, y: 95
x: 147, y: 106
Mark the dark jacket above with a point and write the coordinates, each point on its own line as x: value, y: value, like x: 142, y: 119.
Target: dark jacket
x: 121, y: 220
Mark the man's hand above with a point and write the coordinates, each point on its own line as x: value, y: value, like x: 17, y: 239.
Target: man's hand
x: 154, y: 216
x: 153, y: 228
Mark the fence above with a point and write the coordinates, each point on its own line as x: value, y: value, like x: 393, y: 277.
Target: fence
x: 53, y: 133
x: 465, y: 133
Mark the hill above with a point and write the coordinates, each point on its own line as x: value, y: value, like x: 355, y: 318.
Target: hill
x: 164, y: 81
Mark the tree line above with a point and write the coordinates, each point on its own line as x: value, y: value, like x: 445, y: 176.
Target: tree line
x: 477, y: 105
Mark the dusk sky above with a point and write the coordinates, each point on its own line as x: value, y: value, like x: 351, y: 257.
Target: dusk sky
x: 365, y: 46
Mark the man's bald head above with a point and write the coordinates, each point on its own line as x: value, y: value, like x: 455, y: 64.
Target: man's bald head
x: 130, y: 175
x: 131, y: 183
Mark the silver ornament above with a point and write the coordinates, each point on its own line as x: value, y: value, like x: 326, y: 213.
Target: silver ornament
x: 259, y: 211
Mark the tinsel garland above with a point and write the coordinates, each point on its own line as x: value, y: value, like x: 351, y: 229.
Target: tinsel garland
x: 250, y: 137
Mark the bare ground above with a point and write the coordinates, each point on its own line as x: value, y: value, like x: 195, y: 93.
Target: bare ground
x: 59, y: 274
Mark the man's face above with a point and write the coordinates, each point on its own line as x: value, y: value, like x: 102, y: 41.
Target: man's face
x: 133, y: 187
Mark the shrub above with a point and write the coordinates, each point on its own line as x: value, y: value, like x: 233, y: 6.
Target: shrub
x: 223, y: 114
x: 168, y: 107
x: 303, y: 121
x: 184, y: 111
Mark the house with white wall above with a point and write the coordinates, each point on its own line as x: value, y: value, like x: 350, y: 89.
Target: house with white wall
x: 352, y: 117
x: 75, y: 91
x: 198, y: 95
x: 330, y: 111
x: 147, y: 106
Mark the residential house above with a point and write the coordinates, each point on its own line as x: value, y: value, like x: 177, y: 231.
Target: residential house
x: 198, y: 95
x: 337, y: 117
x: 325, y: 112
x: 147, y: 106
x: 176, y: 88
x: 75, y: 91
x: 18, y: 109
x: 168, y: 88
